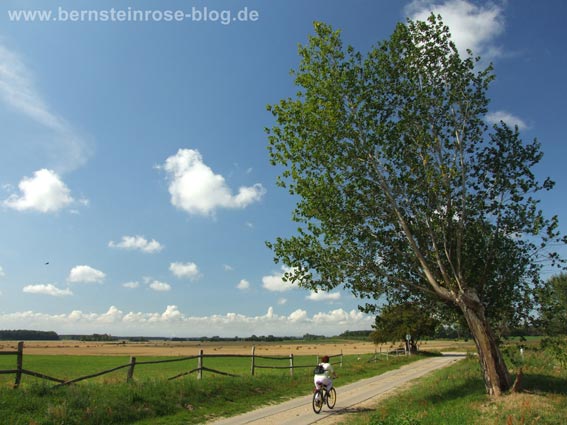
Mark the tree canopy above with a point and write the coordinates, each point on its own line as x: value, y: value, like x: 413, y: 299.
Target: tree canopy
x: 403, y: 189
x: 396, y: 321
x: 553, y: 305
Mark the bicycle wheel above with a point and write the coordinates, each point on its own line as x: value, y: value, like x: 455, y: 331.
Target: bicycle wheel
x: 331, y: 398
x: 317, y: 401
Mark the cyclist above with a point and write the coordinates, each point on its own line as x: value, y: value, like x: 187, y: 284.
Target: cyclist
x: 325, y: 374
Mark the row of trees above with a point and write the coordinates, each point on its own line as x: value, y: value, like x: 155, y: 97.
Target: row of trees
x: 28, y: 335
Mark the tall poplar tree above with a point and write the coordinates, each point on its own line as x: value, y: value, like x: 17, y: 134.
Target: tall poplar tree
x: 403, y: 189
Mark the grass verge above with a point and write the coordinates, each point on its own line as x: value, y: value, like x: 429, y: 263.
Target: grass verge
x: 456, y: 395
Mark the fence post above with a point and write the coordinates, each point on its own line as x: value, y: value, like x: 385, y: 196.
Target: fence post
x: 291, y: 364
x: 252, y: 366
x: 200, y: 365
x: 341, y: 365
x: 130, y: 374
x: 19, y: 364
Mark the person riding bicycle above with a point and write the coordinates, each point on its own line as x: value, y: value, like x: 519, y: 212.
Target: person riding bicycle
x: 324, y: 374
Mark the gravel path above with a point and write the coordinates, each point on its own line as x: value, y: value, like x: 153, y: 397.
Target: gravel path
x: 351, y: 398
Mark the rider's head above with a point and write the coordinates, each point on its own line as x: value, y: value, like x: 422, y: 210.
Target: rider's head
x: 325, y: 359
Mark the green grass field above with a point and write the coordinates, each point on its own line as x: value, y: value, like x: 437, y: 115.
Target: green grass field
x: 151, y: 399
x: 454, y: 395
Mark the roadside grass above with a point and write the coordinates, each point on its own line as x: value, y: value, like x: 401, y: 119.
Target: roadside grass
x: 151, y: 399
x: 456, y: 395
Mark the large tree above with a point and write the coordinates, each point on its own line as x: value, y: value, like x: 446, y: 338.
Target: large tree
x: 402, y: 188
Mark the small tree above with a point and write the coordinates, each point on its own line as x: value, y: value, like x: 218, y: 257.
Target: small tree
x: 396, y: 321
x: 553, y: 306
x: 401, y: 188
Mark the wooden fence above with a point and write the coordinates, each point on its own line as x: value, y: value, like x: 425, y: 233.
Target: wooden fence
x: 131, y: 365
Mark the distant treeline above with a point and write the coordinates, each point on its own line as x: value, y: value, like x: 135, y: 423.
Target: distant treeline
x: 27, y: 335
x: 92, y: 337
x: 364, y: 335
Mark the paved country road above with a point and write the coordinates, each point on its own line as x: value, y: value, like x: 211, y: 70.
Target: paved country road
x: 350, y: 398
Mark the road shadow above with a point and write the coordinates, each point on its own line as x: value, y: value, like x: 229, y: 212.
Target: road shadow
x: 350, y: 411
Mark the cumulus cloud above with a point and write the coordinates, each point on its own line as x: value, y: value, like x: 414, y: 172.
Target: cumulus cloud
x: 85, y: 274
x: 137, y: 243
x: 131, y: 285
x: 275, y: 282
x: 507, y: 118
x: 172, y: 321
x: 48, y: 289
x: 196, y: 189
x: 185, y: 270
x: 158, y: 286
x: 66, y: 149
x: 44, y: 192
x: 339, y: 316
x: 324, y: 296
x: 473, y: 26
x: 298, y: 316
x: 243, y: 285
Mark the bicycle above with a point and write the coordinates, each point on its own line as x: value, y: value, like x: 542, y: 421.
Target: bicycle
x: 322, y: 396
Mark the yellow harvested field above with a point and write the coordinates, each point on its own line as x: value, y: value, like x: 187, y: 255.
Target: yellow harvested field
x: 190, y: 348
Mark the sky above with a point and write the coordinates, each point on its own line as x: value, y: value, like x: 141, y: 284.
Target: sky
x: 136, y: 193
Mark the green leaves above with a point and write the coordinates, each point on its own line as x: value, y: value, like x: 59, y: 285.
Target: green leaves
x: 402, y: 187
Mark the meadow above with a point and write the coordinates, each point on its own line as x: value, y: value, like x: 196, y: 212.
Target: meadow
x: 151, y: 399
x: 454, y: 395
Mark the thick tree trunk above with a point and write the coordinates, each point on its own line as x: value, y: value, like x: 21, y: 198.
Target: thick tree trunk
x: 496, y: 377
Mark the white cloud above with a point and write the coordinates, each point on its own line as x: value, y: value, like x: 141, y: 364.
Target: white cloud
x: 509, y: 119
x: 185, y: 270
x: 44, y: 192
x: 243, y: 285
x: 66, y: 149
x: 227, y: 268
x: 113, y: 315
x: 2, y: 274
x: 137, y: 243
x: 275, y: 282
x: 48, y: 289
x: 85, y: 274
x: 324, y: 296
x: 158, y: 286
x: 338, y: 316
x: 282, y: 301
x: 173, y: 322
x: 298, y: 316
x: 196, y: 189
x: 131, y: 285
x: 473, y: 26
x: 171, y: 313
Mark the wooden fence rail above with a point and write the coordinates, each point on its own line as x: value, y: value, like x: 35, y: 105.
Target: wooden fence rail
x: 131, y: 365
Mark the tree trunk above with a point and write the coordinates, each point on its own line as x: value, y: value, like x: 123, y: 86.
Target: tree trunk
x: 496, y: 377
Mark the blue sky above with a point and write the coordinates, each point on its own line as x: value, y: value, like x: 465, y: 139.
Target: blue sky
x: 134, y: 161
